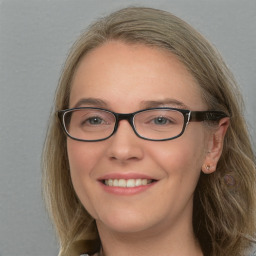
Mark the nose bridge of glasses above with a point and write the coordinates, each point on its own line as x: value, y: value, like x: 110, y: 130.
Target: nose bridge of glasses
x: 128, y: 117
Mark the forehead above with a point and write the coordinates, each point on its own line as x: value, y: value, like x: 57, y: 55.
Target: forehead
x: 127, y: 73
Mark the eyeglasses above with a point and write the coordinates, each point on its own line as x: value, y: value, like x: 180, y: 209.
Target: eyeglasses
x: 156, y: 124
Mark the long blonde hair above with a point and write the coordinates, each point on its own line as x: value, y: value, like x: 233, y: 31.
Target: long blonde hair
x: 224, y: 202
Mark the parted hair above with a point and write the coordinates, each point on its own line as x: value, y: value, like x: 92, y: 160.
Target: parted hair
x: 224, y: 201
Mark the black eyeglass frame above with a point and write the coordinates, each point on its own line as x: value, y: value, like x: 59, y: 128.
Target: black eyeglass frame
x: 189, y: 116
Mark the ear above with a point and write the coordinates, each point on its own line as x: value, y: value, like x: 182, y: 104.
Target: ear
x: 215, y: 146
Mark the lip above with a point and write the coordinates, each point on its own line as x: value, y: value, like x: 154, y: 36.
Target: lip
x: 126, y: 191
x: 125, y: 176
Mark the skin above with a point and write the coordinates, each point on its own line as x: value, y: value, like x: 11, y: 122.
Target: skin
x: 157, y: 221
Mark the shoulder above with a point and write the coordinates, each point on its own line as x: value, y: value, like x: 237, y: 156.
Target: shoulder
x: 85, y: 254
x: 253, y: 253
x: 253, y: 250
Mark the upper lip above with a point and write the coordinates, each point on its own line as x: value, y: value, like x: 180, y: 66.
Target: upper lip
x: 125, y: 176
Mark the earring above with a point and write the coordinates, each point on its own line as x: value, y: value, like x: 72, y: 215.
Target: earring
x: 207, y: 167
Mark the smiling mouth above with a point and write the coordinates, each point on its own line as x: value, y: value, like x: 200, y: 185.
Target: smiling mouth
x: 130, y: 183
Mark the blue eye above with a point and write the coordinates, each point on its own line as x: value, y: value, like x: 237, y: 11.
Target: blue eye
x: 94, y: 120
x: 161, y: 120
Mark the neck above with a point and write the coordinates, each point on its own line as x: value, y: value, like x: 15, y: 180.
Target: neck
x: 180, y: 242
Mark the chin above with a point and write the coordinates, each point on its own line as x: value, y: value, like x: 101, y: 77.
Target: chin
x: 124, y: 222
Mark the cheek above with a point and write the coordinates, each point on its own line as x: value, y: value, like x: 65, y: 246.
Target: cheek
x: 183, y: 156
x: 83, y: 158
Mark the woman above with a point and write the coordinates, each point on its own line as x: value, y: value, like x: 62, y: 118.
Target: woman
x: 147, y: 151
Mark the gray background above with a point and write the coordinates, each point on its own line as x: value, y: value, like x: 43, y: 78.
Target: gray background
x: 34, y: 40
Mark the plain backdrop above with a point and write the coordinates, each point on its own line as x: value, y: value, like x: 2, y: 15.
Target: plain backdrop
x: 35, y: 36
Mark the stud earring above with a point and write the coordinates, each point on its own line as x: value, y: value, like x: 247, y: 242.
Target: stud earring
x: 208, y: 167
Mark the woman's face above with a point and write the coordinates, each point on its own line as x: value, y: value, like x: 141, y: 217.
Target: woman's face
x: 126, y: 78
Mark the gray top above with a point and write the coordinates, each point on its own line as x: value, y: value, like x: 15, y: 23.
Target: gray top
x: 251, y: 254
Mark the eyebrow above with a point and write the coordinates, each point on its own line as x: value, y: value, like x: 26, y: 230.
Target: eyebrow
x: 164, y: 103
x: 91, y: 102
x: 168, y: 102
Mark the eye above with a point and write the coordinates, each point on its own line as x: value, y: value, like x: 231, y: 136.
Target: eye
x: 94, y: 120
x: 160, y: 120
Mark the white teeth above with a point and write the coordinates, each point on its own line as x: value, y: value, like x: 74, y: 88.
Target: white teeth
x: 130, y: 183
x: 138, y: 182
x: 144, y: 182
x: 127, y: 183
x: 122, y: 183
x: 115, y: 183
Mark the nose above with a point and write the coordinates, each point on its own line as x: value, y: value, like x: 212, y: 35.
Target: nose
x: 124, y: 145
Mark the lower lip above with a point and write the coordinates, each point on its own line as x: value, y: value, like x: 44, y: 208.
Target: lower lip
x: 126, y: 191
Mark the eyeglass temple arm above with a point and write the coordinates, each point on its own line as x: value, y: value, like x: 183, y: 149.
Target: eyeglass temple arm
x: 207, y: 115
